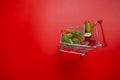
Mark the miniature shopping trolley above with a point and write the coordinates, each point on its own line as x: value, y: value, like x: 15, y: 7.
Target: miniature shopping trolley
x: 81, y: 39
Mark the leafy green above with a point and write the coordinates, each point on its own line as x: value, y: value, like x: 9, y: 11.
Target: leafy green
x: 75, y: 40
x: 67, y: 38
x: 76, y: 34
x: 86, y: 43
x: 69, y: 35
x: 72, y: 37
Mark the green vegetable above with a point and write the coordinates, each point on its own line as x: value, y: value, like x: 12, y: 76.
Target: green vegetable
x: 76, y: 34
x: 86, y: 43
x: 69, y: 35
x: 75, y: 40
x: 70, y: 41
x: 72, y: 37
x: 67, y: 38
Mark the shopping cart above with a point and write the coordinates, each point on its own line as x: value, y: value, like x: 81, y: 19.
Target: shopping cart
x: 83, y: 48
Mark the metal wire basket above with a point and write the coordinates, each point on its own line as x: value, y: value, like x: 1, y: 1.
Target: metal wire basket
x: 83, y: 48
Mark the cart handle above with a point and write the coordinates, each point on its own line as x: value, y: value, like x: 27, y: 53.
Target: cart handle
x: 104, y: 44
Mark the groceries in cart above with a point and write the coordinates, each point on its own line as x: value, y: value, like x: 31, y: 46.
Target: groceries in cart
x: 72, y: 36
x: 81, y: 39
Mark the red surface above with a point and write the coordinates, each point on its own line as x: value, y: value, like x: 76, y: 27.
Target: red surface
x: 29, y: 39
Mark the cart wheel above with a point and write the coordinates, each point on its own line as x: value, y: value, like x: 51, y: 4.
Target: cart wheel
x: 61, y: 52
x: 82, y: 54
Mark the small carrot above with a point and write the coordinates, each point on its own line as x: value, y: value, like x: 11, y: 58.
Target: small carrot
x: 81, y: 39
x: 66, y: 30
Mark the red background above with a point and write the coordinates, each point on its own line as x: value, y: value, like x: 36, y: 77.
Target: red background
x: 29, y: 40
